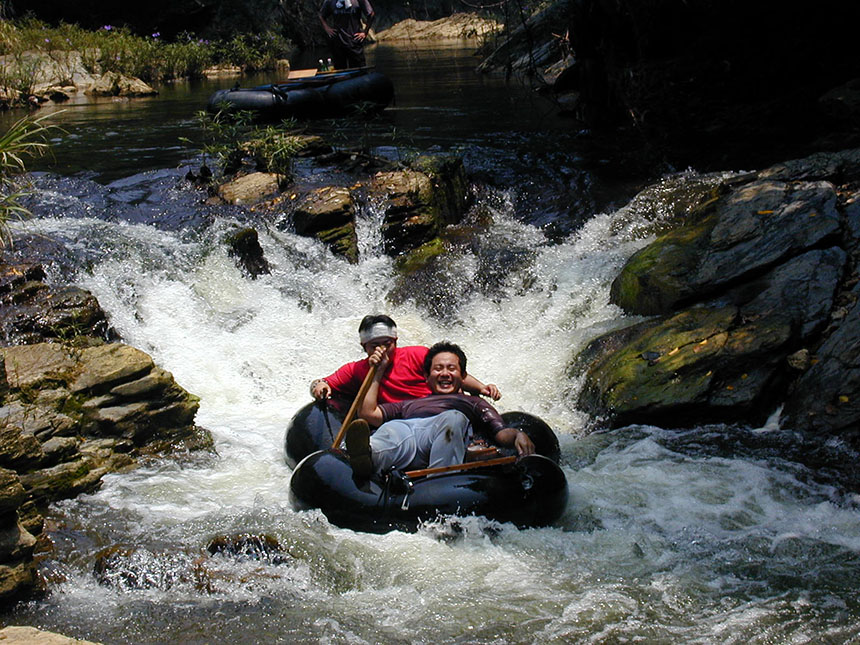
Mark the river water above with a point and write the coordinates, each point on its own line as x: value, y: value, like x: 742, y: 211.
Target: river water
x: 708, y: 535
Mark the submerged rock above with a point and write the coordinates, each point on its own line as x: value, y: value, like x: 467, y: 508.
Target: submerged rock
x: 247, y: 546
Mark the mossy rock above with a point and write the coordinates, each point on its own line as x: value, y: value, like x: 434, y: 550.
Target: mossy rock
x: 415, y: 260
x: 656, y: 279
x: 703, y: 364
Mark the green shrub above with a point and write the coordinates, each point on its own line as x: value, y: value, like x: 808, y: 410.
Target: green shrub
x: 231, y: 139
x: 115, y: 49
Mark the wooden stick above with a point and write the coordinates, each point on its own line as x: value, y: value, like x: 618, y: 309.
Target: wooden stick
x: 500, y: 461
x: 362, y: 391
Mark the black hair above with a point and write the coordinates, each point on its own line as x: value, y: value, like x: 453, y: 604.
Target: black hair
x: 369, y: 321
x: 445, y: 346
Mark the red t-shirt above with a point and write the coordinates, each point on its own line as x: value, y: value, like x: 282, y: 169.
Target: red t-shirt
x: 405, y: 380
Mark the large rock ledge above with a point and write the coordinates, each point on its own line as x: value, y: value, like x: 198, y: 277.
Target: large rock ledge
x: 15, y: 635
x: 753, y: 298
x: 456, y: 26
x: 71, y: 412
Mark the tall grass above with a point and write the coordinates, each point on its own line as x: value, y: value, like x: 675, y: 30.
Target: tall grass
x: 26, y: 138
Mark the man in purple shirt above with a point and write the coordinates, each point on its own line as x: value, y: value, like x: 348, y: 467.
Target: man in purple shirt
x: 429, y: 432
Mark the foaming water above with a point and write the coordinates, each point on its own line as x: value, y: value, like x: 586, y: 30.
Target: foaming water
x: 708, y: 535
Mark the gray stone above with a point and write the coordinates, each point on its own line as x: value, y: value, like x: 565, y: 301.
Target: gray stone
x: 109, y: 365
x: 30, y: 366
x: 802, y: 290
x: 751, y: 231
x: 58, y: 449
x: 763, y: 223
x: 12, y: 493
x: 62, y: 481
x: 15, y: 541
x: 328, y: 214
x: 250, y: 189
x: 151, y: 385
x: 17, y: 579
x: 455, y: 26
x: 14, y: 635
x: 116, y: 84
x: 831, y: 166
x: 825, y: 398
x: 17, y: 449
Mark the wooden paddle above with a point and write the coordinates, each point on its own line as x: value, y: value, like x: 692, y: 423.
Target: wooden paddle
x: 500, y: 461
x: 365, y: 386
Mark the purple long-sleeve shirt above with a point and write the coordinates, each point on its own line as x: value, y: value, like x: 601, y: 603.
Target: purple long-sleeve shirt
x: 484, y: 417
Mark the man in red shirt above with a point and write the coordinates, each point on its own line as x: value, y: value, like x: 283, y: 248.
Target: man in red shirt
x: 404, y: 377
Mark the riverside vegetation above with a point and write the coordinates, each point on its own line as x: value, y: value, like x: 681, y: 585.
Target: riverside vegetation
x: 39, y: 62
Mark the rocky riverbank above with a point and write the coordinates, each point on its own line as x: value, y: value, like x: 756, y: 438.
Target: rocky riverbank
x: 75, y: 405
x: 751, y: 297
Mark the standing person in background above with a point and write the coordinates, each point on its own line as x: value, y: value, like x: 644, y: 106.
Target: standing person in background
x: 346, y: 23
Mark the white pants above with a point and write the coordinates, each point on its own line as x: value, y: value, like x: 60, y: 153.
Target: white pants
x: 428, y: 442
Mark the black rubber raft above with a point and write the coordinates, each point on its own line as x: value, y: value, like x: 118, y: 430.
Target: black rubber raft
x: 328, y: 95
x: 530, y: 492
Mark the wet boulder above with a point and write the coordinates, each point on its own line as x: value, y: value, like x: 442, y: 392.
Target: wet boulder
x: 244, y: 246
x: 826, y: 396
x: 32, y: 311
x: 703, y: 364
x: 328, y: 214
x: 756, y: 300
x: 419, y: 202
x: 250, y: 188
x: 754, y: 228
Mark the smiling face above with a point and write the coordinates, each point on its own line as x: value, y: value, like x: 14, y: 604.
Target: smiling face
x: 445, y: 375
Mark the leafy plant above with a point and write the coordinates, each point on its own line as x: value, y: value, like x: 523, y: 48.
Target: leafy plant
x: 231, y: 139
x: 27, y: 137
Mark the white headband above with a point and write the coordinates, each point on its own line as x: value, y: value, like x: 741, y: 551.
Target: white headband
x: 379, y: 330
